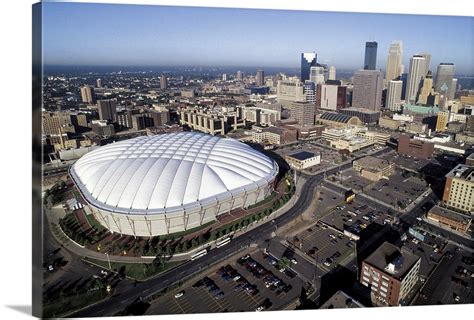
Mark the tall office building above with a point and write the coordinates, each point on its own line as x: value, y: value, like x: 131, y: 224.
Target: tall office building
x: 404, y: 78
x: 332, y: 73
x: 444, y: 75
x: 302, y: 112
x: 163, y: 82
x: 426, y: 89
x: 99, y: 83
x: 331, y: 95
x: 107, y: 109
x: 394, y: 61
x: 310, y: 91
x: 370, y: 59
x: 453, y: 89
x: 290, y: 91
x: 415, y: 75
x: 308, y: 60
x: 316, y: 75
x: 240, y: 75
x: 427, y: 57
x: 224, y: 77
x: 87, y: 94
x: 260, y: 77
x: 367, y: 89
x: 394, y: 95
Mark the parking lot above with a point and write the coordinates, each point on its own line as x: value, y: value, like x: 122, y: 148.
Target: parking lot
x: 356, y: 215
x: 251, y: 283
x: 325, y: 245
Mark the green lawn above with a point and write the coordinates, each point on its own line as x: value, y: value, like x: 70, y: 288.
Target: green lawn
x: 93, y: 222
x: 137, y: 271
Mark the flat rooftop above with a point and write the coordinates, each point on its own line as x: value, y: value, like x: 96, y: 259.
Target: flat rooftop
x: 341, y: 300
x: 372, y: 163
x: 462, y: 171
x: 450, y: 214
x: 303, y: 155
x: 389, y: 254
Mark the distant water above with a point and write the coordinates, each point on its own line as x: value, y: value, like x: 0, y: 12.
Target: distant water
x: 466, y: 83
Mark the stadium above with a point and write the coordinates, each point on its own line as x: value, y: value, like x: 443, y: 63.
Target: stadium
x: 162, y: 184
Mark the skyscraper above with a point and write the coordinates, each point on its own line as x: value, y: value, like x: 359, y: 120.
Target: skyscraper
x: 404, y: 78
x: 163, y: 82
x: 370, y: 59
x: 426, y: 89
x: 316, y: 75
x: 308, y: 60
x: 332, y: 73
x: 415, y: 75
x: 367, y: 89
x: 444, y: 75
x: 99, y: 83
x: 427, y: 57
x: 240, y: 75
x: 107, y: 110
x: 394, y: 95
x: 260, y: 78
x: 224, y: 77
x: 310, y: 91
x: 87, y: 94
x: 452, y: 89
x: 394, y: 61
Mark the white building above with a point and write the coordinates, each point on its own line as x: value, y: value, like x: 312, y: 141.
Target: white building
x: 290, y: 91
x: 303, y: 160
x: 394, y: 95
x: 415, y: 75
x: 394, y: 61
x: 167, y: 183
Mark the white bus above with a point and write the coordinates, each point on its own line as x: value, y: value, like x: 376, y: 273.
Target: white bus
x: 199, y: 254
x: 223, y: 242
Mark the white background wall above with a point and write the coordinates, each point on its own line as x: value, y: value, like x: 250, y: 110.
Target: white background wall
x: 15, y: 19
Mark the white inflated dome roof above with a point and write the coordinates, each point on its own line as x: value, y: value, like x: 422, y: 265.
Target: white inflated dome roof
x: 169, y: 172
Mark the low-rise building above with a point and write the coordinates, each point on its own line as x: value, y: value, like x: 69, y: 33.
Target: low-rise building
x: 449, y: 219
x: 373, y: 168
x: 470, y: 160
x: 464, y: 137
x: 341, y: 300
x: 365, y: 115
x: 391, y: 274
x: 275, y: 135
x: 213, y: 121
x: 102, y: 128
x: 303, y: 160
x: 308, y: 132
x: 415, y: 148
x: 389, y: 123
x: 333, y: 119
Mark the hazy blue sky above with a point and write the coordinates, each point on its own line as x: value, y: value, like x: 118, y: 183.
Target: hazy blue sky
x: 103, y: 34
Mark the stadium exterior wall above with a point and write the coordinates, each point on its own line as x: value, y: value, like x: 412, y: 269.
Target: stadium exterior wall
x: 163, y: 224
